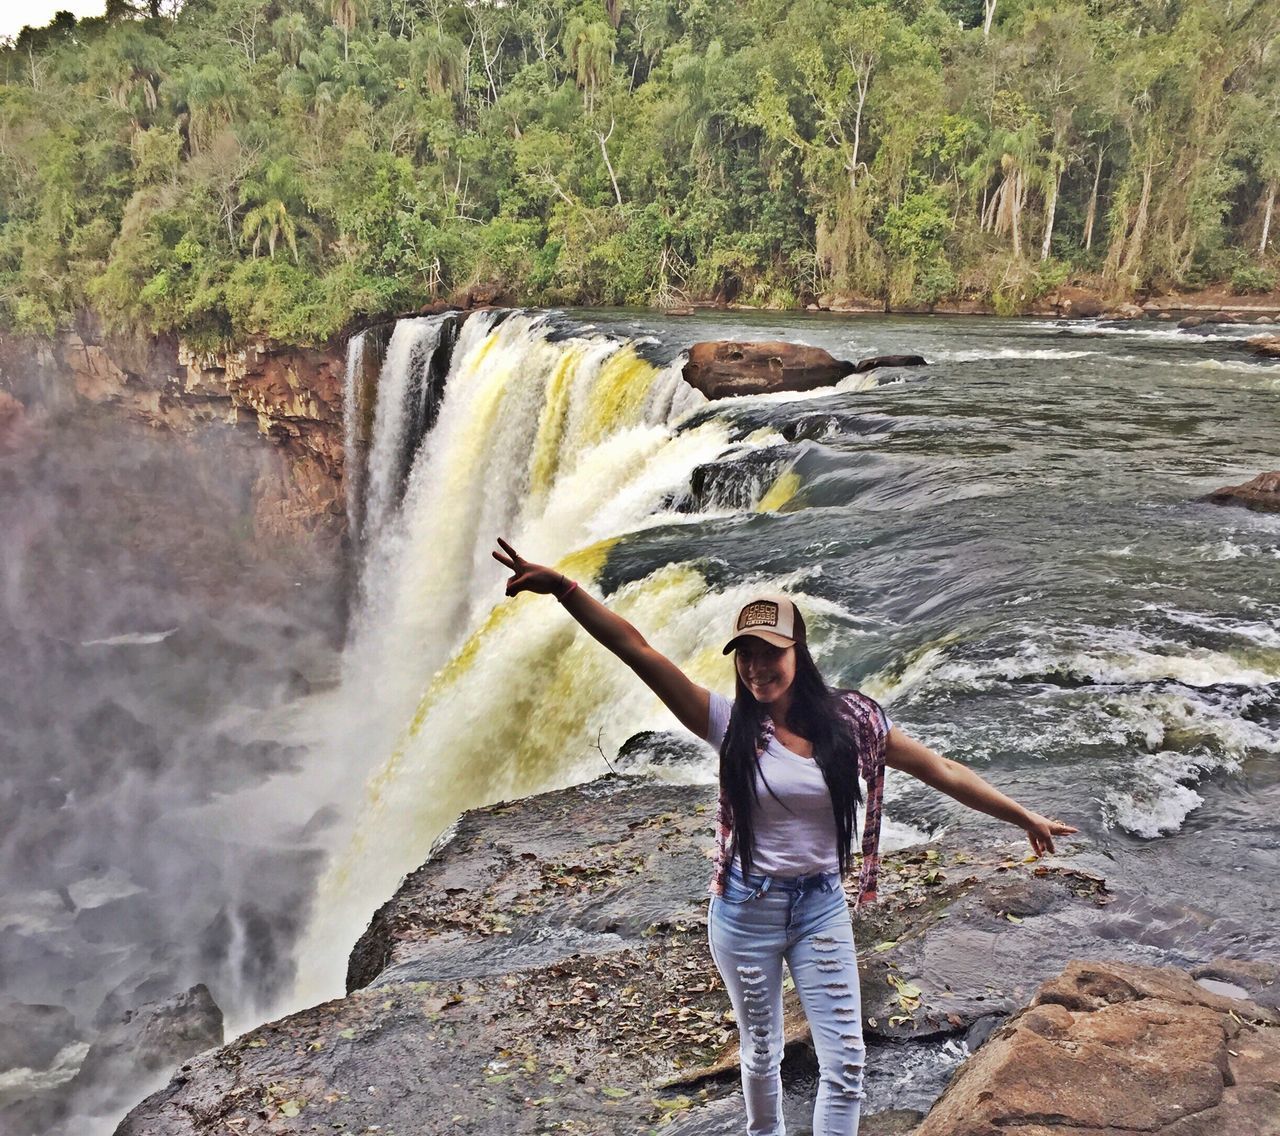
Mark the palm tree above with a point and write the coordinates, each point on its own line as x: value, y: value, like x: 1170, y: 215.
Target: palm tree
x: 589, y: 47
x: 1018, y: 151
x: 212, y: 97
x: 439, y: 60
x: 292, y: 35
x: 278, y: 193
x: 317, y: 79
x: 128, y: 62
x: 346, y: 15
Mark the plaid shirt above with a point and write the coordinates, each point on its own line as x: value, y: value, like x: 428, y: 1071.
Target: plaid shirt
x: 868, y: 721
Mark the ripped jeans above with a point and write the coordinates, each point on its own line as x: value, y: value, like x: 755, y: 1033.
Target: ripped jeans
x: 754, y: 926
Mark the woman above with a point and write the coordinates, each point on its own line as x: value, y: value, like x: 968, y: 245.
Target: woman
x: 790, y: 754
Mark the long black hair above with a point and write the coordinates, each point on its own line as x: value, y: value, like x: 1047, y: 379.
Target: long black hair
x: 817, y: 713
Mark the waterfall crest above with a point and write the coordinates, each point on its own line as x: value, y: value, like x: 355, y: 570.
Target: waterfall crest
x: 452, y: 695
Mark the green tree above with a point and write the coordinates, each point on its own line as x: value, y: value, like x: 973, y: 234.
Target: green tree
x: 589, y: 46
x: 211, y: 97
x: 346, y: 16
x: 274, y: 198
x: 292, y: 35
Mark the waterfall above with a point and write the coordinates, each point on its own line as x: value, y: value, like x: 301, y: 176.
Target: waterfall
x: 352, y: 459
x: 453, y: 695
x: 405, y: 398
x: 759, y: 479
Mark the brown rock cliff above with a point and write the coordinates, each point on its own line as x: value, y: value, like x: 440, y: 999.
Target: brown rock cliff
x: 284, y: 402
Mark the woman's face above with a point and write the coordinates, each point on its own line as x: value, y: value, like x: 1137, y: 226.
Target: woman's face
x: 766, y: 670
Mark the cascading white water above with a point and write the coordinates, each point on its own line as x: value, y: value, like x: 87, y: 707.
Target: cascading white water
x: 402, y: 383
x: 454, y: 696
x: 353, y: 482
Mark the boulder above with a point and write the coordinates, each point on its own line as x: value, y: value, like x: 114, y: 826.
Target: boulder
x: 439, y: 308
x: 1192, y: 321
x: 154, y: 1038
x: 849, y: 302
x: 726, y: 369
x: 32, y: 1035
x: 1082, y: 307
x: 873, y: 361
x: 1073, y: 302
x: 1108, y: 1048
x: 1267, y: 346
x: 1128, y: 312
x: 1261, y: 494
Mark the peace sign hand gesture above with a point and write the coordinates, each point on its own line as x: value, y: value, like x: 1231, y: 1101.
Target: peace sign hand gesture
x: 527, y: 576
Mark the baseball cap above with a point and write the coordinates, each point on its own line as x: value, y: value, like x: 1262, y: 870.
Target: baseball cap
x: 768, y: 616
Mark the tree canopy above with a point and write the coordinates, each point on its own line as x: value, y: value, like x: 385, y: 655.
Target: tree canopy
x: 226, y: 168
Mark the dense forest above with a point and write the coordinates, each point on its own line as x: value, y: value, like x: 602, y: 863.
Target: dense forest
x: 222, y: 168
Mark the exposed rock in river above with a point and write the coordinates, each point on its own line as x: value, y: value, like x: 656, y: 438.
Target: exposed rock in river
x: 727, y: 369
x: 1262, y: 493
x: 547, y: 969
x: 874, y: 361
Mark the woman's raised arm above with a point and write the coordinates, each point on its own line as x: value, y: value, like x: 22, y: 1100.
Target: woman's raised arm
x: 688, y: 701
x: 962, y: 783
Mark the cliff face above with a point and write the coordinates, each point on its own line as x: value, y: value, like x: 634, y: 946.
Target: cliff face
x: 285, y: 403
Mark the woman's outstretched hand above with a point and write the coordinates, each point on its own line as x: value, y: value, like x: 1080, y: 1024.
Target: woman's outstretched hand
x: 527, y: 576
x: 1041, y: 830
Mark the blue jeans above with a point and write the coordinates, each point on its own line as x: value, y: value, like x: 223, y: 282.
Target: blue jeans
x: 753, y: 927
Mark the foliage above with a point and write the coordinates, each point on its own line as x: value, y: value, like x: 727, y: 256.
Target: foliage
x: 1247, y: 279
x: 223, y: 168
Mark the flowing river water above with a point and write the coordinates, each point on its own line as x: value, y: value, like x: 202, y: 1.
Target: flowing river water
x: 1006, y: 547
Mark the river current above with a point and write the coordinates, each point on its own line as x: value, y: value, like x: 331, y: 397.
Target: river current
x: 1007, y: 547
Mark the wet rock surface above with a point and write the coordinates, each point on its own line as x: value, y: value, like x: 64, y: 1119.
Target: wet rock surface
x: 726, y: 369
x: 148, y: 1040
x: 547, y: 970
x: 1107, y: 1048
x: 1261, y: 494
x: 32, y: 1034
x: 873, y: 361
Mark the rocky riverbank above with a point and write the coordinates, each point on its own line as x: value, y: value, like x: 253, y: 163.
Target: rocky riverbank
x: 546, y: 971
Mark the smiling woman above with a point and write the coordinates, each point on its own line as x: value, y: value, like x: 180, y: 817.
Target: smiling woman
x: 791, y: 751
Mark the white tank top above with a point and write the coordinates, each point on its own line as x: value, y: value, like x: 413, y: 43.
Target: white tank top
x: 795, y: 825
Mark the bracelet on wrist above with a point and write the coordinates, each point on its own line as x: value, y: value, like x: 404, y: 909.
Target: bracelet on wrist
x: 562, y: 596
